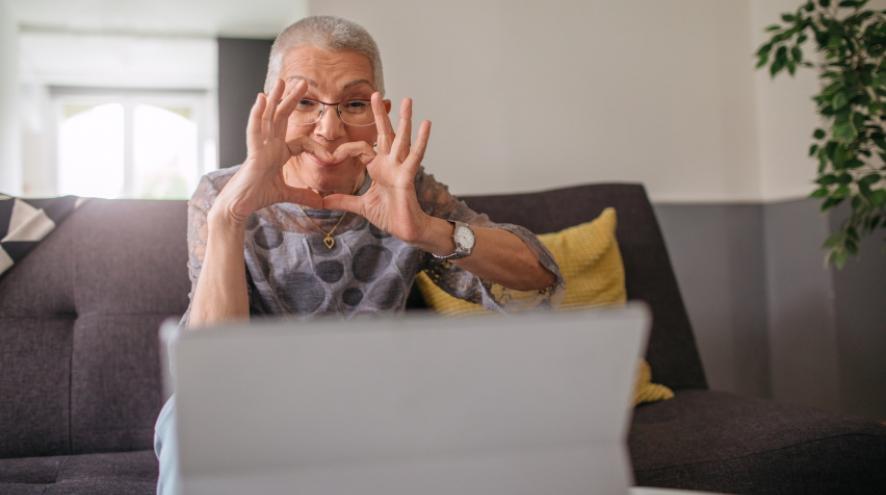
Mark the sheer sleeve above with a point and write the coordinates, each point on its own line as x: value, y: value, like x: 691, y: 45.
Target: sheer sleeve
x: 436, y: 200
x: 198, y: 233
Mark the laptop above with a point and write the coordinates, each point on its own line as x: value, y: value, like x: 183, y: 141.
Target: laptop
x: 530, y: 404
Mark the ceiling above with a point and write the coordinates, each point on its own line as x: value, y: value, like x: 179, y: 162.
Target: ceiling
x: 186, y: 18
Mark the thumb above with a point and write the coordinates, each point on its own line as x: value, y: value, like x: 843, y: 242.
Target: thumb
x: 344, y: 202
x: 360, y: 149
x: 304, y: 143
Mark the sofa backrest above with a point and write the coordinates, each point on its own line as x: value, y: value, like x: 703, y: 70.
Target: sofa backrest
x: 649, y: 277
x: 79, y: 362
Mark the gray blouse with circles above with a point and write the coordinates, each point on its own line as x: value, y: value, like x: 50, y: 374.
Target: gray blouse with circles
x: 289, y: 270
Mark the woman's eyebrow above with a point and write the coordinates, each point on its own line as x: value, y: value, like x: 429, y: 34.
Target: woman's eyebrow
x: 314, y: 84
x: 355, y: 83
x: 310, y: 81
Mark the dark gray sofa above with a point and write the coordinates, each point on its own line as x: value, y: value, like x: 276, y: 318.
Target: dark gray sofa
x: 80, y: 374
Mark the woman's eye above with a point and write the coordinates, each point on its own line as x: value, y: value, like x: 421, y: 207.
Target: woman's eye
x: 356, y: 106
x: 305, y: 104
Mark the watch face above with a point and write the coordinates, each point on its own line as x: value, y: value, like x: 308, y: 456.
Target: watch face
x: 464, y: 237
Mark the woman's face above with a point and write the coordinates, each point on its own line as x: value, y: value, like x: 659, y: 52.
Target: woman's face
x: 332, y: 76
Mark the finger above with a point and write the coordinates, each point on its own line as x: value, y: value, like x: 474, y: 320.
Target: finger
x: 305, y: 143
x: 281, y: 119
x: 360, y: 149
x: 304, y: 197
x: 253, y: 125
x: 273, y: 101
x: 382, y: 123
x: 404, y: 130
x: 417, y: 154
x: 344, y: 202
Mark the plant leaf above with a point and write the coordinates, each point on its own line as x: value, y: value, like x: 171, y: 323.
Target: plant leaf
x: 845, y: 132
x: 813, y: 149
x: 821, y: 192
x: 830, y: 203
x: 870, y: 179
x: 840, y: 100
x: 827, y: 179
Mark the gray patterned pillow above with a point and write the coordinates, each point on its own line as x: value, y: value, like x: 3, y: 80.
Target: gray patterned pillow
x: 25, y: 222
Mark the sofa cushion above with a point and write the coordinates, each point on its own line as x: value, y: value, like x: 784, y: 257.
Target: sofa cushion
x: 110, y: 473
x: 715, y: 441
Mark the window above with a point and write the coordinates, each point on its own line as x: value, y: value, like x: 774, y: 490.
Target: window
x: 149, y: 145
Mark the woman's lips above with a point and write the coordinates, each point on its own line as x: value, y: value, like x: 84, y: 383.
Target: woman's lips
x: 322, y: 163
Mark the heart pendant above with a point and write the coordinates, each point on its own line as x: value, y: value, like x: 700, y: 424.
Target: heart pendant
x: 329, y: 241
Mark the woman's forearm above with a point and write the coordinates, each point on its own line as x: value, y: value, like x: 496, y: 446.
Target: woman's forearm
x: 221, y: 293
x: 498, y: 256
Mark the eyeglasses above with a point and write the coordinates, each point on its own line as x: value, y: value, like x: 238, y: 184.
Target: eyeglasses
x: 356, y: 113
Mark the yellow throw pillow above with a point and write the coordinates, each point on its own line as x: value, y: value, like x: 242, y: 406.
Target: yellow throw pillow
x: 589, y: 260
x: 645, y: 390
x: 593, y: 272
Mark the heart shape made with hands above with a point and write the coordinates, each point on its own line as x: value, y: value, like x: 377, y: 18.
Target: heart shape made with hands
x: 390, y: 203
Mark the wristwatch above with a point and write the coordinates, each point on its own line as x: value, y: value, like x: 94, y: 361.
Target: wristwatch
x: 463, y: 238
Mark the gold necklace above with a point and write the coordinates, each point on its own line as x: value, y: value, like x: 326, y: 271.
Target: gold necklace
x: 328, y: 239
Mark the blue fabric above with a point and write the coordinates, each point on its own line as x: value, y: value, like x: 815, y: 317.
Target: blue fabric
x: 166, y: 449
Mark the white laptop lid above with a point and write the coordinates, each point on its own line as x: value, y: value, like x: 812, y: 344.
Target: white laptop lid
x: 537, y: 403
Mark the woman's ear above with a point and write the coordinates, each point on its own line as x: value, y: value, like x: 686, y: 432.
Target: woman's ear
x: 387, y: 106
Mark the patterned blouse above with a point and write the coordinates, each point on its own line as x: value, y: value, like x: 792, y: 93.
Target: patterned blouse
x: 290, y: 271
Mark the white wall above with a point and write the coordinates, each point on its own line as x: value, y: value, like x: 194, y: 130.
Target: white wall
x: 663, y: 93
x: 785, y: 115
x: 10, y: 168
x: 656, y: 92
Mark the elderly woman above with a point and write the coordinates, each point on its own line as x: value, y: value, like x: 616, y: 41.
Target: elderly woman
x: 332, y: 212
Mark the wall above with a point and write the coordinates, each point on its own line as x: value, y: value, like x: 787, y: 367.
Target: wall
x: 531, y: 95
x: 10, y: 167
x: 242, y: 64
x: 800, y: 316
x: 825, y: 327
x: 718, y: 256
x: 859, y: 294
x: 630, y: 90
x: 784, y: 114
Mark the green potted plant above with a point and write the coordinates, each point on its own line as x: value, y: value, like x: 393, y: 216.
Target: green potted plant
x: 850, y: 41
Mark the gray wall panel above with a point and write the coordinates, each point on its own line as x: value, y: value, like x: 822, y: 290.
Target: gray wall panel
x: 242, y: 64
x: 802, y: 326
x: 717, y: 254
x: 860, y: 301
x: 770, y: 318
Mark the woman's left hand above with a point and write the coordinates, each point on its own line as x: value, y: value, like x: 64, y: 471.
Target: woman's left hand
x: 390, y: 203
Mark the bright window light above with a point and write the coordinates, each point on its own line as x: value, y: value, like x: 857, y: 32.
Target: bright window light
x: 90, y: 150
x: 144, y: 147
x: 165, y: 152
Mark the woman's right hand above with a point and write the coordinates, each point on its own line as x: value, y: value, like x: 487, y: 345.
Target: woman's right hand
x: 259, y: 182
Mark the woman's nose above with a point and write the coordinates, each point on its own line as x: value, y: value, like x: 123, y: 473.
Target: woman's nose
x: 329, y: 127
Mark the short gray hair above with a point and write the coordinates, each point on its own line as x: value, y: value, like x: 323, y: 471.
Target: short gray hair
x: 330, y: 33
